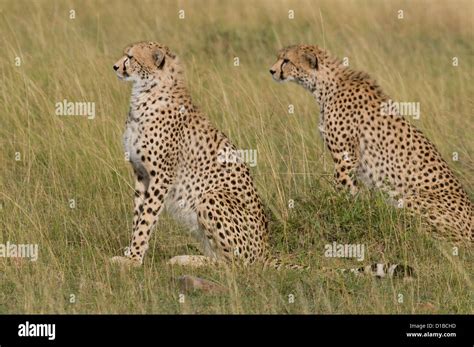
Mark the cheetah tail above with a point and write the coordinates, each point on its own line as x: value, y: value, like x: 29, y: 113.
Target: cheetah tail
x: 276, y: 263
x: 383, y: 270
x: 378, y: 270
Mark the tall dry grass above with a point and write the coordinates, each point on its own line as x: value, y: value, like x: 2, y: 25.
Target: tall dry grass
x: 68, y: 157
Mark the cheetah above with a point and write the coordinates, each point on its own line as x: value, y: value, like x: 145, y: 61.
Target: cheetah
x: 184, y: 165
x: 374, y: 145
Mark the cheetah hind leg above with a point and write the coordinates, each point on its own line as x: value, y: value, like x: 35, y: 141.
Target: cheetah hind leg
x: 235, y: 235
x: 231, y: 233
x: 208, y: 224
x: 445, y: 224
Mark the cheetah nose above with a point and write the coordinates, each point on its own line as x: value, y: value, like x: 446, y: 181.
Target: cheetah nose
x: 272, y: 71
x: 115, y: 67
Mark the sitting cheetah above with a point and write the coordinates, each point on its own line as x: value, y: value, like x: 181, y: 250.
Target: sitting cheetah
x: 377, y: 147
x: 183, y: 163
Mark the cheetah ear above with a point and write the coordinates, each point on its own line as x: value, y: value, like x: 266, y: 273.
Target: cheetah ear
x: 159, y: 58
x: 312, y: 60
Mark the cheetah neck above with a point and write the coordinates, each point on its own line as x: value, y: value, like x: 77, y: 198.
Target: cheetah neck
x: 150, y: 96
x: 323, y: 83
x: 321, y: 90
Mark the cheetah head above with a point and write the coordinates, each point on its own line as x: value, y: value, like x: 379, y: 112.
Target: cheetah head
x: 146, y: 61
x: 302, y: 64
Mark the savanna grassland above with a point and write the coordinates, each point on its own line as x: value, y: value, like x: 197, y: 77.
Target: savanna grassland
x: 50, y: 163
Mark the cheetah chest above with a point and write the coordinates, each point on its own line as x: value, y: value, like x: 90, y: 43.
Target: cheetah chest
x: 131, y: 139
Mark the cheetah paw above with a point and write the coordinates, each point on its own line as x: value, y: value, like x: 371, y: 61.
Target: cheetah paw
x: 181, y: 260
x: 125, y: 261
x: 190, y: 260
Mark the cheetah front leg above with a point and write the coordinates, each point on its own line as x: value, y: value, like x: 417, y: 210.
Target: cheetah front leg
x: 142, y: 182
x: 141, y: 186
x: 345, y: 166
x: 345, y: 155
x: 149, y: 203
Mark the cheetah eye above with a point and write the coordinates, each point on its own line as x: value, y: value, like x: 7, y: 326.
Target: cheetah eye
x: 285, y: 61
x: 129, y: 57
